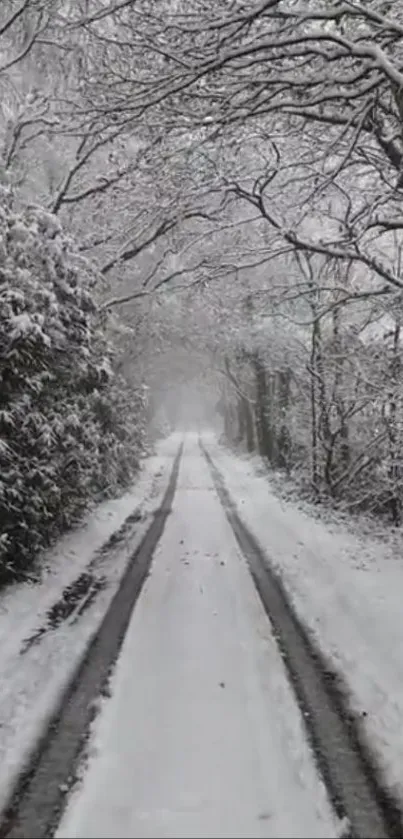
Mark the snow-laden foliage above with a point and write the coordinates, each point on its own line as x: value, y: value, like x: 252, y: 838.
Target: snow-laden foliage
x: 64, y: 436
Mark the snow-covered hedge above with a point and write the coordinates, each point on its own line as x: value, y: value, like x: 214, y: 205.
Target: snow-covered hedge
x: 68, y: 429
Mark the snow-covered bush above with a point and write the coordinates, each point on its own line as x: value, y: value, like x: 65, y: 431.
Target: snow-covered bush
x: 68, y: 429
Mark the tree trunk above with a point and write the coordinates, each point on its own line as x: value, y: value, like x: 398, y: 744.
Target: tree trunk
x: 283, y: 437
x: 345, y: 454
x: 264, y: 431
x: 249, y: 427
x: 241, y: 419
x: 314, y: 428
x: 395, y: 472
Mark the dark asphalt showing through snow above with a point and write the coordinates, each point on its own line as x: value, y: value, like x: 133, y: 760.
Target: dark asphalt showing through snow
x: 343, y: 759
x: 39, y: 797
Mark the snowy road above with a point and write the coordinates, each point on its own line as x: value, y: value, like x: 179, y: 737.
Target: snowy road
x: 201, y: 736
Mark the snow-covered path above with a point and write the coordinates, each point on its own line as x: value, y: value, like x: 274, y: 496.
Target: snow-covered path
x: 201, y: 736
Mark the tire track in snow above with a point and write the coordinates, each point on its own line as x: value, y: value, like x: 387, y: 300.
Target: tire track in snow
x: 345, y: 762
x: 38, y: 799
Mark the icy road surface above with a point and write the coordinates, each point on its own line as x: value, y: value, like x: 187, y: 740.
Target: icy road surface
x: 201, y: 736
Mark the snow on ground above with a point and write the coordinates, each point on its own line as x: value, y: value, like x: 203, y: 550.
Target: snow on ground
x: 348, y: 590
x: 201, y: 736
x: 31, y: 681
